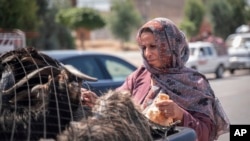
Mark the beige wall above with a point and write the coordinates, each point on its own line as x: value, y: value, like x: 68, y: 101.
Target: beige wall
x: 172, y: 9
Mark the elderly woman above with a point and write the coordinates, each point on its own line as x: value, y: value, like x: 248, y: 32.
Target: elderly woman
x: 191, y: 100
x: 165, y: 51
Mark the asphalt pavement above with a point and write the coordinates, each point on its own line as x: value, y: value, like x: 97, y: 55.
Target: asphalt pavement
x: 233, y: 92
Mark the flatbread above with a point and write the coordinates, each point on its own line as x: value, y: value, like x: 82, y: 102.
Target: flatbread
x: 157, y: 116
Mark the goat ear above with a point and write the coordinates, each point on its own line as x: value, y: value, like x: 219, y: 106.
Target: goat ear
x: 79, y: 74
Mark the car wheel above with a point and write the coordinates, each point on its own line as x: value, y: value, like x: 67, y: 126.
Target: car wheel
x: 232, y: 71
x: 219, y: 72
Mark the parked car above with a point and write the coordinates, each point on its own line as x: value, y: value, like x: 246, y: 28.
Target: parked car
x: 110, y: 70
x: 239, y: 51
x: 205, y: 59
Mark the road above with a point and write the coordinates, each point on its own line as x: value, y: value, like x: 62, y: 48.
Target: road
x: 233, y: 92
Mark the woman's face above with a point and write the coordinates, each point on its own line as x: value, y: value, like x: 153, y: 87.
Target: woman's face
x: 150, y: 49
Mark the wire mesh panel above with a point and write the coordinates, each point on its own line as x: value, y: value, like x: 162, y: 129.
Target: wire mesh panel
x: 39, y: 96
x: 40, y: 100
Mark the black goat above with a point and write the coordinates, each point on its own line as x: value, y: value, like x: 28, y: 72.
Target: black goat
x: 38, y: 95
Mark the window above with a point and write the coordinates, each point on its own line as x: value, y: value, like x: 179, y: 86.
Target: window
x: 192, y: 51
x: 117, y: 69
x: 246, y: 42
x: 86, y: 65
x: 205, y: 51
x: 209, y: 51
x: 202, y: 52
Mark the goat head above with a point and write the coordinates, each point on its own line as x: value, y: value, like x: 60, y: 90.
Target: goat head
x: 38, y: 95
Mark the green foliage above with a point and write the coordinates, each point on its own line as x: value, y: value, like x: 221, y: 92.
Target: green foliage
x: 188, y: 28
x: 227, y: 15
x: 124, y: 19
x: 240, y: 12
x: 80, y: 17
x: 194, y: 13
x: 53, y: 35
x: 19, y: 14
x: 221, y: 16
x: 247, y: 14
x: 42, y: 8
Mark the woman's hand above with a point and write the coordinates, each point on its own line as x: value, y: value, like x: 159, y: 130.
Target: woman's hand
x: 170, y: 109
x: 88, y: 98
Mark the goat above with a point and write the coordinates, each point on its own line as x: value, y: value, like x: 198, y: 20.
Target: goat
x: 38, y: 95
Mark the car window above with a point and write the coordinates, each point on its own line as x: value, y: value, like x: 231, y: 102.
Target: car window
x: 192, y: 51
x: 246, y: 42
x: 209, y: 51
x: 86, y: 65
x: 238, y: 41
x: 229, y: 41
x: 117, y: 69
x: 205, y: 51
x: 202, y: 52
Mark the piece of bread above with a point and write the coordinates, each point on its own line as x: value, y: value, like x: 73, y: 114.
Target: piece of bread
x: 157, y: 116
x: 162, y: 96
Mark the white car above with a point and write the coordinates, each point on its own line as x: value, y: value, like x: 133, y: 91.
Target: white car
x: 205, y: 59
x: 239, y: 51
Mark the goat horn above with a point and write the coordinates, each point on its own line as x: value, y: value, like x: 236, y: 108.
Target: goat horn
x: 79, y: 74
x: 26, y: 78
x: 9, y: 58
x: 34, y: 60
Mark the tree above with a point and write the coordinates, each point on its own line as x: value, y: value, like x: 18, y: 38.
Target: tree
x: 194, y: 13
x: 18, y: 14
x: 188, y: 27
x: 80, y: 17
x: 221, y: 17
x: 240, y: 13
x: 35, y: 16
x: 123, y: 19
x: 52, y: 35
x: 227, y: 15
x: 75, y: 18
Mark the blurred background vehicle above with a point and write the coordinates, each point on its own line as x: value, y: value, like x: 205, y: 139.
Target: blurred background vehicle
x: 110, y: 70
x: 239, y: 51
x: 11, y: 39
x: 205, y: 59
x: 243, y: 29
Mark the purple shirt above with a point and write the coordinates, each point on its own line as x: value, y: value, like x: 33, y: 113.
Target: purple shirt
x: 138, y: 83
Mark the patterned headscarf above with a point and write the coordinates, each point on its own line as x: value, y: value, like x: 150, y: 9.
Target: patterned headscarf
x: 188, y: 88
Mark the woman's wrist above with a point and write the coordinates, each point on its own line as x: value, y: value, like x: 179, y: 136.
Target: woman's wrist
x: 180, y: 115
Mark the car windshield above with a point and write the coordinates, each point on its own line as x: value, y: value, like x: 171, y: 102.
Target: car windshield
x: 237, y: 41
x: 247, y: 42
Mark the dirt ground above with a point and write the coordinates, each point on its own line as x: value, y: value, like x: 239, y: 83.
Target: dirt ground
x: 107, y: 45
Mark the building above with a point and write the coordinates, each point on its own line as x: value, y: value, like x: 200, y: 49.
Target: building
x: 173, y: 10
x: 101, y: 5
